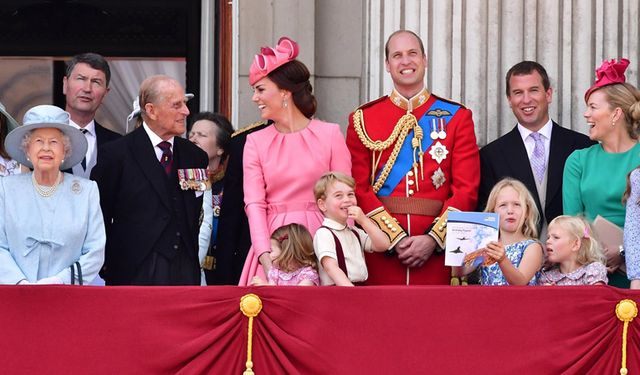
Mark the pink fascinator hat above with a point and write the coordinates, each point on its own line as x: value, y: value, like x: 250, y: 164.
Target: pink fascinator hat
x: 609, y: 73
x: 270, y: 59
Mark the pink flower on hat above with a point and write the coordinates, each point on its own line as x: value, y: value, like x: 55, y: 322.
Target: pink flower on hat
x: 609, y: 73
x: 270, y: 59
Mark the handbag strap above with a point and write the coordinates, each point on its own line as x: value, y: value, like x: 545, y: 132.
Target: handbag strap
x: 73, y: 273
x: 79, y: 273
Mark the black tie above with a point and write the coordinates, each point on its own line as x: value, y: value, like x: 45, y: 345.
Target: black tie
x: 167, y: 157
x: 84, y: 160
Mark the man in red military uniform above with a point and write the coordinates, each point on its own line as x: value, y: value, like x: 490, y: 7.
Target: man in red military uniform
x: 414, y: 156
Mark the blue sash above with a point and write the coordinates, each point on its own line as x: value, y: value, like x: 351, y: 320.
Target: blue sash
x: 404, y: 162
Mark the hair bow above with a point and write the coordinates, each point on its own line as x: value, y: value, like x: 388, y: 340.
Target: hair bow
x: 609, y: 73
x: 270, y: 59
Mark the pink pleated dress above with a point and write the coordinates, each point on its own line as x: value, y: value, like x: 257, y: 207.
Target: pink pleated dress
x: 280, y: 170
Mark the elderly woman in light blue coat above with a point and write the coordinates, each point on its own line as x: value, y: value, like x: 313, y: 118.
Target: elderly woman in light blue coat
x: 51, y: 225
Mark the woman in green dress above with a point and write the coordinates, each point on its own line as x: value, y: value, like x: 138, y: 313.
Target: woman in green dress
x: 595, y: 178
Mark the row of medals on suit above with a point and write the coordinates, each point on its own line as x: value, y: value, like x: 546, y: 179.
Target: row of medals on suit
x: 438, y: 151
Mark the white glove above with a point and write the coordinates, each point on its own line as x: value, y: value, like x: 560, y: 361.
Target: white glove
x: 50, y: 280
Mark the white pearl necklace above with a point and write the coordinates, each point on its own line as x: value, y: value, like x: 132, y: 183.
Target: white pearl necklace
x: 43, y: 190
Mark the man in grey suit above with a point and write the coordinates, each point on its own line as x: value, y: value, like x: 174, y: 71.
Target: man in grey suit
x: 85, y: 86
x: 535, y: 151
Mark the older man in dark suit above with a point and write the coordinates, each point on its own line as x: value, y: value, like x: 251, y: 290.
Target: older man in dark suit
x: 535, y: 151
x: 85, y: 86
x: 151, y: 183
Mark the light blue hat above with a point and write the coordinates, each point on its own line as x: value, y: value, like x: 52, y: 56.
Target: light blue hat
x: 11, y: 122
x: 46, y: 116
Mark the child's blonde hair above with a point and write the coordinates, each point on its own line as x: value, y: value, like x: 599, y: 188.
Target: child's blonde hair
x: 320, y: 189
x: 296, y: 245
x: 529, y: 224
x: 578, y: 228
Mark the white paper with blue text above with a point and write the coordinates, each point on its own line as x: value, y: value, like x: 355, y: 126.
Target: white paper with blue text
x: 468, y: 232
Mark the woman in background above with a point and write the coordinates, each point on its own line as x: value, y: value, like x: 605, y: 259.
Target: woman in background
x: 7, y: 124
x: 212, y: 133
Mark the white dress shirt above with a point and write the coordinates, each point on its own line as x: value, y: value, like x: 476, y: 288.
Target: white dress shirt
x: 155, y: 140
x: 529, y: 143
x: 91, y: 156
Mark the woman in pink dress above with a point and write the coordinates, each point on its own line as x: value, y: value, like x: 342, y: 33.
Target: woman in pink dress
x: 283, y: 161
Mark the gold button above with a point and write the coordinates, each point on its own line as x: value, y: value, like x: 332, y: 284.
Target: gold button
x: 411, y: 191
x: 394, y: 229
x: 411, y: 182
x: 410, y: 174
x: 390, y: 226
x: 383, y: 218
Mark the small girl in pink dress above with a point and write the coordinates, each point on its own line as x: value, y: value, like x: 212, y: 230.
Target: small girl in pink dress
x: 293, y: 259
x: 575, y: 255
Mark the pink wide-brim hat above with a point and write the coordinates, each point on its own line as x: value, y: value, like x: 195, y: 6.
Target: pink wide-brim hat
x: 270, y: 59
x: 609, y: 73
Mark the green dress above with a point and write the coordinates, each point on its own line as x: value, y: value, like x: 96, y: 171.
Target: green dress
x: 595, y: 180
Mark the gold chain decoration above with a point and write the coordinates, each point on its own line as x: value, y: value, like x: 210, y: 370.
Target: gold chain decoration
x: 364, y: 137
x: 250, y: 305
x: 405, y: 124
x: 626, y: 310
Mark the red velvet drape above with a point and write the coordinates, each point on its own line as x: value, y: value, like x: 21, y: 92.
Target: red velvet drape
x: 315, y: 330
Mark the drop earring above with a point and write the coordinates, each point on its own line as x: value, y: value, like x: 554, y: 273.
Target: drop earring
x: 284, y: 103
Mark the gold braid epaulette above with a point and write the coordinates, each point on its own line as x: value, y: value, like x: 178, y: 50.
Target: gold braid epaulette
x: 398, y: 135
x: 369, y: 143
x: 247, y: 128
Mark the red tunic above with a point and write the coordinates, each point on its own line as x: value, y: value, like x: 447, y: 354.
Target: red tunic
x: 461, y: 170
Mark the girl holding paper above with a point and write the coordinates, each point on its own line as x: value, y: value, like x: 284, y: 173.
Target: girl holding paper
x: 516, y: 258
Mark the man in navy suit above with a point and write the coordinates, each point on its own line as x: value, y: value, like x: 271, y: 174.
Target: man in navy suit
x: 151, y: 183
x: 535, y: 151
x: 85, y: 86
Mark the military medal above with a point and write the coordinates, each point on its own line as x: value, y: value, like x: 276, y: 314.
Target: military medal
x: 216, y: 201
x: 209, y: 263
x: 434, y: 129
x: 438, y: 152
x: 442, y: 134
x: 438, y: 178
x: 193, y: 179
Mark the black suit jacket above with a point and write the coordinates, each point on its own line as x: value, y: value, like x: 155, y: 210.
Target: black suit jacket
x: 507, y: 157
x: 103, y: 135
x: 234, y: 239
x: 136, y: 204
